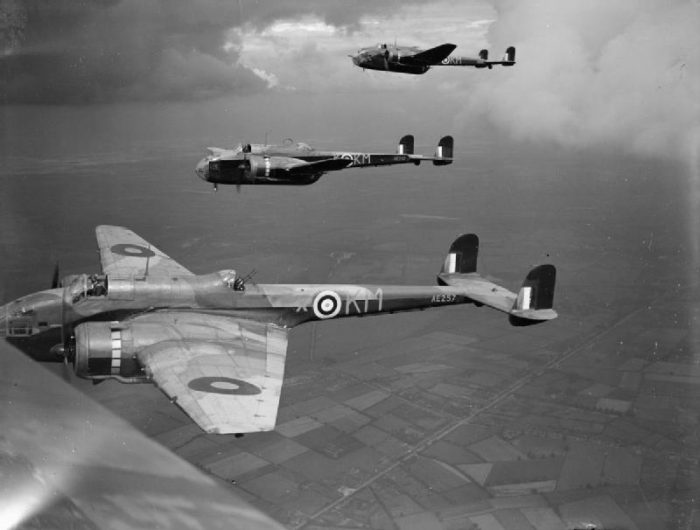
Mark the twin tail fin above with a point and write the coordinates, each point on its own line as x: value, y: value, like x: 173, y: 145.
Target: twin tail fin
x: 532, y: 304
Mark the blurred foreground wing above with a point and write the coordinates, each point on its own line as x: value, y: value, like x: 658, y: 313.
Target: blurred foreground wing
x: 67, y: 462
x: 124, y: 253
x: 225, y: 373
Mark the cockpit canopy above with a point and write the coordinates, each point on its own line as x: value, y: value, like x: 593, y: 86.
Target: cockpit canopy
x: 302, y: 146
x: 232, y: 280
x: 88, y: 286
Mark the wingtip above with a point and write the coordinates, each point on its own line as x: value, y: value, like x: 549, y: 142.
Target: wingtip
x: 102, y: 228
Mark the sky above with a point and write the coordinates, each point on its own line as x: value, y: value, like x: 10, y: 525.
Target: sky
x: 84, y: 81
x: 624, y: 74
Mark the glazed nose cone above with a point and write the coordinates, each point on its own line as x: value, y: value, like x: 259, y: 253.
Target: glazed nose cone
x: 3, y: 321
x: 202, y: 169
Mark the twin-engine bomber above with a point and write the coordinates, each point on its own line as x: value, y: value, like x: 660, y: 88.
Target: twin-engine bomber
x: 300, y: 164
x: 216, y: 343
x: 414, y: 60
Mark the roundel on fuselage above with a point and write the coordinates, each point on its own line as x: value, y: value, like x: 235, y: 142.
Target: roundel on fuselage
x: 326, y: 304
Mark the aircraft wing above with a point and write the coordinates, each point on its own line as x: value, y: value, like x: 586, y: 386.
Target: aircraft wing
x: 124, y: 253
x: 217, y: 151
x: 226, y: 373
x: 67, y: 462
x: 330, y: 164
x: 431, y: 56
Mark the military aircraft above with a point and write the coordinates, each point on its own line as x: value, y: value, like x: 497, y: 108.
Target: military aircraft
x: 300, y: 164
x: 67, y: 462
x: 216, y: 343
x: 413, y: 60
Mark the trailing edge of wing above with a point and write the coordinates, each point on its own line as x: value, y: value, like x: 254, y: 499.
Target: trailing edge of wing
x: 331, y: 164
x: 126, y: 254
x: 431, y: 56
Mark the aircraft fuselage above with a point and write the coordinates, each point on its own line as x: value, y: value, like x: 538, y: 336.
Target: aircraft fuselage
x: 41, y: 321
x: 266, y: 165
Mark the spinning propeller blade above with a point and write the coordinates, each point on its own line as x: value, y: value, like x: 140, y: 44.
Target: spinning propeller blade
x: 55, y: 279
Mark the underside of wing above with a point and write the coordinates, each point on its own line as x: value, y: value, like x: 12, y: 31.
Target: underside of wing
x: 431, y: 56
x: 124, y: 253
x: 225, y: 373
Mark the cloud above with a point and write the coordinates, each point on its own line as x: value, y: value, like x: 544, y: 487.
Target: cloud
x: 77, y: 51
x: 597, y: 73
x: 310, y: 53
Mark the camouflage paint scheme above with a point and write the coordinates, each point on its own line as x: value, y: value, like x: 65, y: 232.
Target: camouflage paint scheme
x: 214, y: 343
x: 300, y: 164
x: 414, y: 60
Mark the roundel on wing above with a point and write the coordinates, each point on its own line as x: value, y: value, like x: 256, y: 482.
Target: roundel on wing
x: 223, y: 385
x: 326, y: 304
x: 134, y: 251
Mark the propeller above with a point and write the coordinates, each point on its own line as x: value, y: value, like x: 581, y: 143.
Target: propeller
x: 66, y: 370
x: 56, y: 278
x: 242, y: 167
x: 68, y: 364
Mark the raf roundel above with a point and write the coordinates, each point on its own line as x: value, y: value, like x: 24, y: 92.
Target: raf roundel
x: 135, y: 251
x: 327, y: 304
x: 224, y: 385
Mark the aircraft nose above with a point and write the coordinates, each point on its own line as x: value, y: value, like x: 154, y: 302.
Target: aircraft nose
x: 202, y: 169
x: 3, y: 321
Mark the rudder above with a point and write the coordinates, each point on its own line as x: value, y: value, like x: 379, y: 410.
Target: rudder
x: 537, y: 291
x: 406, y: 145
x: 509, y: 58
x: 462, y: 256
x: 444, y: 150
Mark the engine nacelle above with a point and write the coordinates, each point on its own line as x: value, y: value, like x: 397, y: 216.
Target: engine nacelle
x: 261, y: 167
x: 106, y: 350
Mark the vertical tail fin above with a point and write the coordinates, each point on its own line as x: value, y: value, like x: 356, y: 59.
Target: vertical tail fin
x: 537, y: 291
x: 444, y: 150
x: 484, y: 55
x: 462, y: 256
x: 535, y: 298
x: 509, y: 59
x: 405, y: 145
